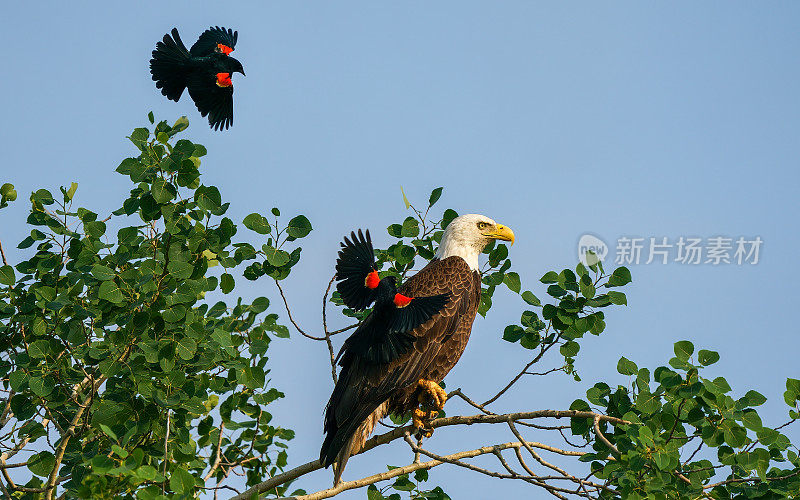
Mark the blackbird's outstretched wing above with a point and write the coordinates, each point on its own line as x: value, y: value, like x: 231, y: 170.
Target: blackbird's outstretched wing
x: 356, y: 263
x: 207, y: 43
x: 212, y: 100
x: 385, y: 335
x: 417, y: 312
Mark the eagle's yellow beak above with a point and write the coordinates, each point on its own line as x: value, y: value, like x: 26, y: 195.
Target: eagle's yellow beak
x: 501, y: 232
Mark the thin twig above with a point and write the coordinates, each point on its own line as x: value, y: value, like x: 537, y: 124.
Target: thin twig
x: 3, y: 254
x: 325, y: 329
x: 218, y: 458
x: 291, y: 318
x: 602, y: 437
x: 522, y: 372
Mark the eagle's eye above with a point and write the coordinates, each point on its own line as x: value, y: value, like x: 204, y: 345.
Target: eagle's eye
x: 483, y: 225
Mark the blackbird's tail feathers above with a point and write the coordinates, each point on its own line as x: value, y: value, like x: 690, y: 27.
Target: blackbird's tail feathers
x: 169, y: 65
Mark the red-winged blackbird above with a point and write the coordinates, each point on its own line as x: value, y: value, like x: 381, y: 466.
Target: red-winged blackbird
x: 206, y: 70
x: 384, y: 335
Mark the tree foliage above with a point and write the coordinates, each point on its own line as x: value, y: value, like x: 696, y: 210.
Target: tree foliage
x: 121, y: 378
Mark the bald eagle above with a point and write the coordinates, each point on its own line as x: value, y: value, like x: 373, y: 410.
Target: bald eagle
x: 413, y: 337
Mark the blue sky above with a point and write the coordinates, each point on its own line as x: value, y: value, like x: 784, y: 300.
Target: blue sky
x: 557, y: 119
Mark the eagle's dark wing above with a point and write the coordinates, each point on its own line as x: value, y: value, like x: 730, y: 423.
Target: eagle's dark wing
x: 207, y: 43
x: 356, y: 262
x: 211, y: 99
x: 360, y: 396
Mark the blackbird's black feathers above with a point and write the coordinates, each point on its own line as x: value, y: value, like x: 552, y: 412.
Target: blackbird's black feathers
x: 383, y: 336
x: 175, y: 68
x: 207, y: 43
x: 212, y: 100
x: 417, y: 312
x: 356, y: 260
x: 170, y: 65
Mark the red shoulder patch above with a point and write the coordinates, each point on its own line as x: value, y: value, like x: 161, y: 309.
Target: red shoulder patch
x: 372, y: 280
x: 401, y: 300
x: 224, y: 80
x: 224, y: 49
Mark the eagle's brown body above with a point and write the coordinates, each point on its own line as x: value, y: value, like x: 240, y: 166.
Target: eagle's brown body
x: 367, y: 392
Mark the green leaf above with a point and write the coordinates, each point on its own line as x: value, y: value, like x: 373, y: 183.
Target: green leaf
x: 405, y: 200
x: 754, y: 398
x: 683, y: 349
x: 71, y: 191
x: 161, y: 190
x: 435, y: 195
x: 7, y: 276
x: 275, y: 256
x: 110, y: 292
x: 549, y: 277
x: 403, y: 484
x: 7, y: 190
x: 793, y: 386
x: 42, y: 463
x: 751, y: 420
x: 734, y: 435
x: 621, y: 276
x: 42, y: 386
x: 102, y: 272
x: 180, y: 125
x: 570, y: 349
x: 226, y: 283
x: 180, y: 270
x: 95, y: 229
x: 627, y: 367
x: 260, y: 304
x: 707, y: 357
x: 648, y: 403
x: 181, y: 481
x: 7, y: 193
x: 530, y: 298
x: 448, y: 217
x: 185, y: 348
x: 512, y: 281
x: 299, y: 227
x: 513, y: 333
x: 107, y: 430
x: 373, y: 493
x: 617, y: 298
x: 258, y: 223
x: 410, y: 228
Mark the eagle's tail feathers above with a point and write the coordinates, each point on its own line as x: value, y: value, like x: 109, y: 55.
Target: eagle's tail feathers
x: 356, y: 441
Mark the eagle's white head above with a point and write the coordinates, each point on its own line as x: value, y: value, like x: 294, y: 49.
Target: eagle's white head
x: 467, y: 235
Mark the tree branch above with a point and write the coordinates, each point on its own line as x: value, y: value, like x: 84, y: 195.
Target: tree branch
x: 62, y: 446
x: 349, y: 485
x: 439, y: 422
x: 218, y: 458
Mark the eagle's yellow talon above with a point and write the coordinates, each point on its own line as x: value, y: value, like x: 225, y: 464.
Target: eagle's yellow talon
x: 435, y: 391
x: 422, y: 420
